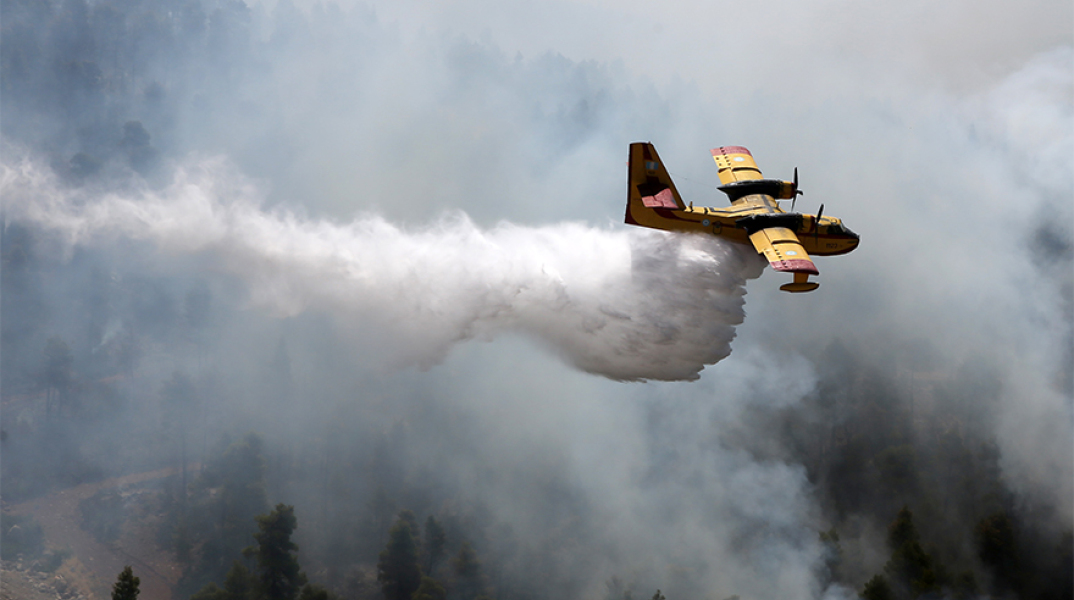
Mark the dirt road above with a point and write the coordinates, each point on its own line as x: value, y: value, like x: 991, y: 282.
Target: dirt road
x: 60, y: 520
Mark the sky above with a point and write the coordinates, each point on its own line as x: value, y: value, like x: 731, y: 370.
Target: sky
x: 444, y: 183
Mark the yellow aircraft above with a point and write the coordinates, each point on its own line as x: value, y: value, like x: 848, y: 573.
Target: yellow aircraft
x: 786, y: 239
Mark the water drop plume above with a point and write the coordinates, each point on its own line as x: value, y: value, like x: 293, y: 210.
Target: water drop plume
x: 626, y: 304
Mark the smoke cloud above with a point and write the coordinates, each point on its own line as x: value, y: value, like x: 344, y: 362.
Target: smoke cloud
x: 481, y: 146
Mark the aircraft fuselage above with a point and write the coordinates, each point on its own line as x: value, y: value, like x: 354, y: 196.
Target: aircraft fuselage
x: 831, y: 239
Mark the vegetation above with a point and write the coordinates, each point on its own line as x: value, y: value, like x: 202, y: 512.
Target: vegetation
x: 20, y: 535
x: 278, y: 573
x: 430, y: 589
x: 922, y: 462
x: 126, y: 585
x: 397, y: 569
x: 877, y: 588
x: 435, y: 542
x: 210, y: 530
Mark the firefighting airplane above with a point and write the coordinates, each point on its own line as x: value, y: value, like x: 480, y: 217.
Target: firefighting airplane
x: 786, y: 239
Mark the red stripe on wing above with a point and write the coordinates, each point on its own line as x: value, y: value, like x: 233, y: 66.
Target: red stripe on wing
x: 730, y: 150
x: 797, y: 265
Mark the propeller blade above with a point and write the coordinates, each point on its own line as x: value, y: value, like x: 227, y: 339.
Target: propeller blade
x: 816, y: 223
x: 797, y: 192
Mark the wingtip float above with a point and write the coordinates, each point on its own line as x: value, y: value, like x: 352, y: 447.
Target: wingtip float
x: 786, y: 239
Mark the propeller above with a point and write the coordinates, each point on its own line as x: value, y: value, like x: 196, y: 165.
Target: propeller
x: 816, y: 223
x: 797, y: 192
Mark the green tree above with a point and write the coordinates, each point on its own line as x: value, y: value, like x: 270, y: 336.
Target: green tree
x: 397, y: 569
x: 912, y: 570
x: 126, y: 585
x: 429, y: 589
x: 659, y: 596
x: 238, y: 585
x: 211, y: 591
x: 315, y: 592
x: 468, y: 579
x: 994, y: 536
x: 965, y: 586
x: 878, y: 588
x: 411, y: 520
x: 240, y: 472
x: 278, y: 573
x: 435, y: 541
x: 226, y: 498
x: 902, y: 529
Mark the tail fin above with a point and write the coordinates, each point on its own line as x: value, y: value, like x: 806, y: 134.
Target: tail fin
x: 650, y: 190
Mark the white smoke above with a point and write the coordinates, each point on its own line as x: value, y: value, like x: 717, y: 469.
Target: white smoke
x: 625, y: 304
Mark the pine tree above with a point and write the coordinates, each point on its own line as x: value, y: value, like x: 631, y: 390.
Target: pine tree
x: 408, y: 515
x: 239, y: 583
x: 878, y: 588
x: 902, y: 529
x: 240, y: 471
x: 278, y: 573
x: 126, y: 586
x: 467, y: 572
x: 430, y: 589
x: 994, y: 535
x: 435, y: 541
x: 911, y: 568
x: 397, y: 570
x: 237, y: 586
x: 315, y: 592
x: 211, y: 591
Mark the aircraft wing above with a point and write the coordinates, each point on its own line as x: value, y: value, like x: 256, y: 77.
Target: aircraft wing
x: 735, y: 164
x: 783, y: 250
